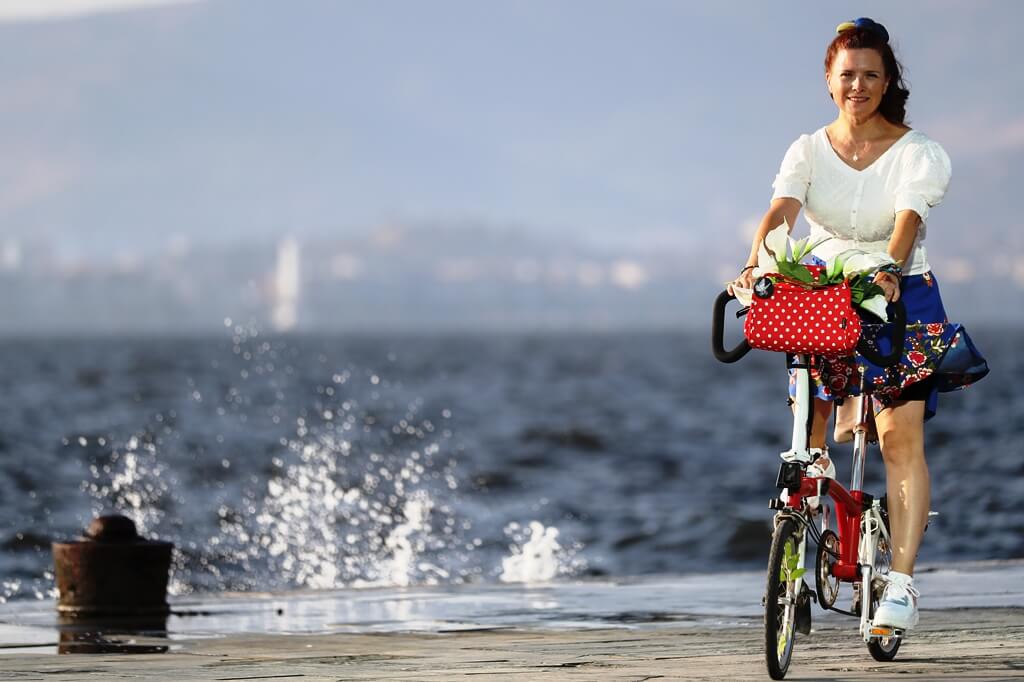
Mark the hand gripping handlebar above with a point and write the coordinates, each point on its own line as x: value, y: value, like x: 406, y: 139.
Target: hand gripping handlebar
x: 898, y: 332
x: 718, y: 332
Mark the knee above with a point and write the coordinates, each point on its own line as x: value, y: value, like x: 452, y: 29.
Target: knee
x: 900, y: 447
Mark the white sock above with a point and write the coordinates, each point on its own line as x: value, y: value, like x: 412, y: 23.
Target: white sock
x: 901, y: 578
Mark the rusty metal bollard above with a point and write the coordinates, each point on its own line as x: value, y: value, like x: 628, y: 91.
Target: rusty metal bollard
x: 111, y: 571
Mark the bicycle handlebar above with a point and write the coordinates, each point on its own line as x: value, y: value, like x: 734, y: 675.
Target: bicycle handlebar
x: 718, y: 333
x: 899, y: 331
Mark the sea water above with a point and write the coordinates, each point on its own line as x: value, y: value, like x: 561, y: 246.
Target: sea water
x: 292, y: 462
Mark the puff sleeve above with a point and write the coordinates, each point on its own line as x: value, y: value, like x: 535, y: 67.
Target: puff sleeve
x: 924, y: 178
x: 795, y: 173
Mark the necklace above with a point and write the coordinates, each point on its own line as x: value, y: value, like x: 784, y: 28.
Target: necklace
x: 856, y: 154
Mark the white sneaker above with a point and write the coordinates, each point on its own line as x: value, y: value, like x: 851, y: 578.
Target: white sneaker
x: 898, y: 608
x: 816, y: 470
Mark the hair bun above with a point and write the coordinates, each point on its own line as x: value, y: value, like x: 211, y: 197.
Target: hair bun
x: 866, y: 24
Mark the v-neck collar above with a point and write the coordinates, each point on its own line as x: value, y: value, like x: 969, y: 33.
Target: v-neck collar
x: 844, y: 164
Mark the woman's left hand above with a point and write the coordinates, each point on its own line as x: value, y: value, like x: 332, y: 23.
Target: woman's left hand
x: 890, y: 285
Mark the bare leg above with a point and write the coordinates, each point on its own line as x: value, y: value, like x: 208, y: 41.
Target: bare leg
x: 901, y: 435
x: 819, y: 429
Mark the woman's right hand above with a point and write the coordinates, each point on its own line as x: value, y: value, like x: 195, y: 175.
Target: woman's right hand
x: 745, y: 280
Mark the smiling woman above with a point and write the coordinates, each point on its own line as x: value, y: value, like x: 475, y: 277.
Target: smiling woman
x: 863, y: 74
x: 866, y: 181
x: 857, y: 84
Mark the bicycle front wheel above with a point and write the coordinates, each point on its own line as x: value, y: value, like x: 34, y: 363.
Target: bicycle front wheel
x: 780, y: 601
x: 883, y: 648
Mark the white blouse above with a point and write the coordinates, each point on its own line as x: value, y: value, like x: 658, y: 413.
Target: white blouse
x: 858, y: 208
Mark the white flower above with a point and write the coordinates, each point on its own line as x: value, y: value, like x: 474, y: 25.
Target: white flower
x: 834, y: 267
x: 777, y: 241
x: 876, y: 306
x: 777, y: 246
x: 809, y: 247
x: 765, y: 262
x: 806, y: 246
x: 863, y: 262
x: 799, y: 248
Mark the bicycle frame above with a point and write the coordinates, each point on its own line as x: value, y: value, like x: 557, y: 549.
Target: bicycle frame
x: 859, y: 522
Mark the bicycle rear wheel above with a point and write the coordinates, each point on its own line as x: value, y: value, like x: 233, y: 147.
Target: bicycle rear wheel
x: 780, y: 602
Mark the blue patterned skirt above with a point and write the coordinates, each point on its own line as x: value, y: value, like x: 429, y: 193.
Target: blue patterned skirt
x: 938, y: 356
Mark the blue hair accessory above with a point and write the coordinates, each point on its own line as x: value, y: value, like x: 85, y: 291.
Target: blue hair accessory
x: 866, y: 24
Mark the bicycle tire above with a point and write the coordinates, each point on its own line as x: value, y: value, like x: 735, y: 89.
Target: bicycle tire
x: 779, y: 621
x: 885, y: 649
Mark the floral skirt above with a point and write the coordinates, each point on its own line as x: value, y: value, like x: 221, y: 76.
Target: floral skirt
x: 938, y: 356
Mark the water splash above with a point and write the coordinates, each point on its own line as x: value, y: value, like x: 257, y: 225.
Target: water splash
x: 339, y: 515
x: 364, y: 491
x: 360, y: 494
x: 9, y: 589
x: 541, y: 558
x: 408, y: 542
x: 132, y: 483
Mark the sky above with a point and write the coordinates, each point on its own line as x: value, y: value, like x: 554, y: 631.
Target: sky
x: 648, y: 125
x: 50, y: 10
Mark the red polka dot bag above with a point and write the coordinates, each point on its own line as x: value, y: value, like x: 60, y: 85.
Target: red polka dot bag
x: 790, y: 316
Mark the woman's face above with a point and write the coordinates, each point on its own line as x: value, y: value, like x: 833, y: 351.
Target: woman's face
x: 857, y: 82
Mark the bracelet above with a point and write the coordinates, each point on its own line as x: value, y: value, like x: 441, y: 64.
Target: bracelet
x: 749, y: 267
x: 892, y: 269
x: 892, y: 276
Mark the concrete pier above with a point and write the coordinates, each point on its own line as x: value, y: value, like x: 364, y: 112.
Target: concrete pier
x: 692, y: 627
x: 960, y: 644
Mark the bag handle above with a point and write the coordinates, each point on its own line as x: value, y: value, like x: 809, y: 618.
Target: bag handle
x: 897, y: 338
x: 810, y: 286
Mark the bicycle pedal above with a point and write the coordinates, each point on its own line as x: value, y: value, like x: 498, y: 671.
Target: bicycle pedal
x: 884, y: 631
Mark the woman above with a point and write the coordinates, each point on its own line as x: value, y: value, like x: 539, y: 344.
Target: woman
x: 868, y: 181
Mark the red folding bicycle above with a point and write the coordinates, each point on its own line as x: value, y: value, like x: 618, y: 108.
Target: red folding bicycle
x: 856, y: 549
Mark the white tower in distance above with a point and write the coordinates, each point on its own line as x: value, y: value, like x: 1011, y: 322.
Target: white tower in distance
x: 286, y: 286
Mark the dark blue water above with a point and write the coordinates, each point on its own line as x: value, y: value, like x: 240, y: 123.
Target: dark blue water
x: 281, y: 462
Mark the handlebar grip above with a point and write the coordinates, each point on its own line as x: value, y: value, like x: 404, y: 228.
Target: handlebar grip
x: 899, y: 331
x: 718, y: 333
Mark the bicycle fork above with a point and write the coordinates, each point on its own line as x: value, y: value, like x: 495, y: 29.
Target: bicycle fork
x: 873, y: 533
x: 799, y: 452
